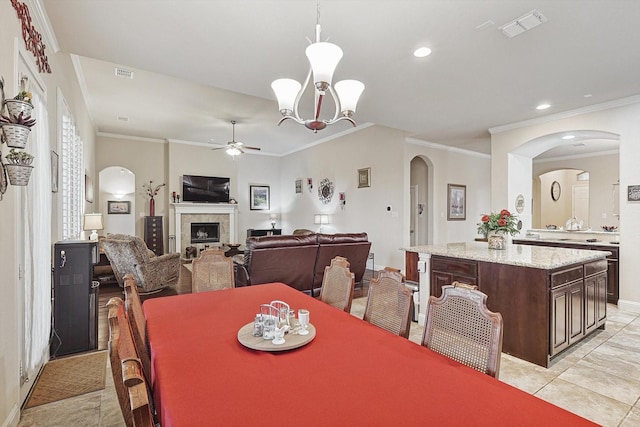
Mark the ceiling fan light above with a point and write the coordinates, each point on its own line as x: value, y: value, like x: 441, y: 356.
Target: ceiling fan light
x: 324, y: 58
x: 233, y: 151
x: 286, y: 91
x: 349, y: 92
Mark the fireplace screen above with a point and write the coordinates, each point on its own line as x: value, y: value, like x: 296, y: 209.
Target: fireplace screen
x: 205, y: 232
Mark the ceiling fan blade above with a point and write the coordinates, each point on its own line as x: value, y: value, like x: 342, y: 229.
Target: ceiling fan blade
x: 218, y: 148
x: 251, y: 148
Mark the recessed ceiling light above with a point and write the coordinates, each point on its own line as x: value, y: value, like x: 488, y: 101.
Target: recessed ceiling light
x: 587, y: 95
x: 543, y: 106
x: 568, y: 137
x: 421, y: 52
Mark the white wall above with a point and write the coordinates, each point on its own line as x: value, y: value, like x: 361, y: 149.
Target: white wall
x: 621, y: 120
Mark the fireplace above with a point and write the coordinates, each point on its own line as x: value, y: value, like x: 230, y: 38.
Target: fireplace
x: 186, y: 213
x: 205, y: 232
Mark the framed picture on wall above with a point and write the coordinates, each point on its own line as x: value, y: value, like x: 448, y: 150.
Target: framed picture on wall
x: 117, y: 207
x: 298, y: 186
x: 88, y: 189
x: 456, y: 202
x: 259, y: 197
x: 364, y: 177
x: 633, y: 193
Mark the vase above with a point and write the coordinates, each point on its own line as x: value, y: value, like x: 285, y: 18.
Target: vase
x: 152, y: 207
x: 497, y: 240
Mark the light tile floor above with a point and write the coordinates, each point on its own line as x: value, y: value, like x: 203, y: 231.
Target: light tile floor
x: 598, y: 379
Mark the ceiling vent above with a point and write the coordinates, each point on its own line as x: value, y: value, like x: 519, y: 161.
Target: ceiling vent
x: 121, y: 72
x: 123, y: 118
x: 524, y: 23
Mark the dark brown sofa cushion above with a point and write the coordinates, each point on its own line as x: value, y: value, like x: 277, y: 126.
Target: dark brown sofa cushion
x: 286, y: 259
x: 353, y: 246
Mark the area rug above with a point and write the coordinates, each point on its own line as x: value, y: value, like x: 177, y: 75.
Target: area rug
x: 69, y: 377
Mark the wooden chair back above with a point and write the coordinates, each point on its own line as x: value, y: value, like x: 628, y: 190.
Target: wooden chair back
x: 338, y: 283
x: 460, y: 326
x: 126, y: 368
x: 389, y: 303
x: 138, y: 324
x: 212, y: 271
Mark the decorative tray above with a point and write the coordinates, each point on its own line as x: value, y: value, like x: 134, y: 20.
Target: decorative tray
x: 246, y: 338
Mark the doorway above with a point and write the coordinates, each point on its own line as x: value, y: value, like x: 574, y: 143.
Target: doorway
x: 418, y: 200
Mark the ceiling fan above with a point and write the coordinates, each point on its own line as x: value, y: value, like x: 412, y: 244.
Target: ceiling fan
x: 233, y: 147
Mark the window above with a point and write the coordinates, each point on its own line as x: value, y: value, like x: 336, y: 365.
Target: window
x: 71, y: 176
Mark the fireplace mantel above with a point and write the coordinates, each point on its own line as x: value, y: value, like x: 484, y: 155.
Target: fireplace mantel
x: 205, y: 208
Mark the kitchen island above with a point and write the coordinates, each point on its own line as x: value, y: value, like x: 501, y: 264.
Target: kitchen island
x: 549, y: 298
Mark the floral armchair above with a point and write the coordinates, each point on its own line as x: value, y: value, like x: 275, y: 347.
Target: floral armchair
x: 129, y: 255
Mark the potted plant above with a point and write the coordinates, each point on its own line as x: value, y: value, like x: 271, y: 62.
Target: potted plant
x: 18, y: 166
x: 496, y: 225
x: 21, y: 103
x: 16, y: 128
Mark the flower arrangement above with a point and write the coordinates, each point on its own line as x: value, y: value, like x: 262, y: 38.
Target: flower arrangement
x: 504, y: 221
x: 152, y: 190
x: 23, y: 95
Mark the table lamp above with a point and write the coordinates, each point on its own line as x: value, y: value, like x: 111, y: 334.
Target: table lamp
x: 93, y: 222
x: 273, y: 218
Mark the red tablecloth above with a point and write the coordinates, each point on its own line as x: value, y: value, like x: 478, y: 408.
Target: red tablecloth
x: 351, y: 374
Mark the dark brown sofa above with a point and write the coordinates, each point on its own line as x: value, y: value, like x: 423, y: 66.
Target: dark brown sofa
x: 300, y: 260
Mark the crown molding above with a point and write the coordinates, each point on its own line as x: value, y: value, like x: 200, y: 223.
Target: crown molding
x: 447, y: 148
x: 330, y: 138
x: 566, y: 114
x: 131, y: 138
x: 42, y: 19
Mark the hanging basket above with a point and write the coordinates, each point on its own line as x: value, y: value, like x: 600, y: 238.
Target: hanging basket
x: 15, y: 135
x: 18, y: 174
x: 15, y: 107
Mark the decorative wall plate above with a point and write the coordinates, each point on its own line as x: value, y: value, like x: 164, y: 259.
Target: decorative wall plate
x: 325, y: 191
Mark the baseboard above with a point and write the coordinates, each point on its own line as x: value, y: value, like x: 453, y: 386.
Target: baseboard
x: 632, y: 306
x: 13, y: 418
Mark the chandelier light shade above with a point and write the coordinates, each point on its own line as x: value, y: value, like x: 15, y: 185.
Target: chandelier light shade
x: 323, y: 60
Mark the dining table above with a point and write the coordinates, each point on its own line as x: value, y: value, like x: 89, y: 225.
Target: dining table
x: 351, y: 373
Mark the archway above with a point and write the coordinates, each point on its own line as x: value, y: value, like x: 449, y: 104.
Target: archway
x: 420, y: 201
x: 117, y: 200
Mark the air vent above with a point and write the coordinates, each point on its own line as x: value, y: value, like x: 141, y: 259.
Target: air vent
x: 123, y: 118
x: 121, y: 72
x: 524, y: 23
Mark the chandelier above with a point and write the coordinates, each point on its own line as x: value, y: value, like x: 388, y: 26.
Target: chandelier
x: 323, y: 58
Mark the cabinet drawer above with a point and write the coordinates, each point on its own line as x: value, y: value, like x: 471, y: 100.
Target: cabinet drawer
x: 566, y: 276
x: 595, y: 267
x: 456, y: 267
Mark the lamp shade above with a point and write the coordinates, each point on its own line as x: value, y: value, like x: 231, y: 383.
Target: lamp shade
x: 349, y: 92
x: 324, y: 58
x: 286, y: 91
x: 92, y: 221
x: 321, y: 219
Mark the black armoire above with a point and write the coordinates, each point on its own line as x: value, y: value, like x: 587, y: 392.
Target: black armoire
x: 75, y: 298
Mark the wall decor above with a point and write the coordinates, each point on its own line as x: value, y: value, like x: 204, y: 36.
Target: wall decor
x: 118, y: 207
x: 310, y: 184
x: 259, y: 197
x: 633, y: 193
x: 325, y: 191
x: 32, y: 38
x: 54, y: 172
x: 3, y: 181
x: 520, y: 203
x: 298, y: 186
x: 456, y: 202
x: 364, y: 177
x: 555, y: 191
x: 88, y: 189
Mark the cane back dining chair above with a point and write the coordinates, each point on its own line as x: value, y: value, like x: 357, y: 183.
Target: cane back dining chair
x: 389, y: 303
x: 338, y: 283
x: 138, y: 324
x: 131, y: 388
x: 460, y: 326
x: 212, y: 271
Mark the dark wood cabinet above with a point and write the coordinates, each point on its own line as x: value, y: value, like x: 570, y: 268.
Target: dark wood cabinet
x: 411, y: 266
x: 153, y: 234
x: 445, y: 271
x: 613, y: 280
x: 254, y: 232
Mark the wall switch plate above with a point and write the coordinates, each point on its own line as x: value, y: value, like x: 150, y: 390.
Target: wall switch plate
x: 422, y: 266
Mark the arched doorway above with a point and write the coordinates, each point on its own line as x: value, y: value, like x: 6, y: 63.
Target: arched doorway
x: 420, y: 220
x: 117, y: 189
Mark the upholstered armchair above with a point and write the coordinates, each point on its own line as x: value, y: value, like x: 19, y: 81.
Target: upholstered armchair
x: 129, y: 255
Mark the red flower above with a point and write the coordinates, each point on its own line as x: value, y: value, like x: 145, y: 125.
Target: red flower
x: 502, y: 222
x: 505, y: 213
x: 485, y: 218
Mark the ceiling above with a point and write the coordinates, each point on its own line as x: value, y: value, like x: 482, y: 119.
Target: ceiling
x: 199, y: 64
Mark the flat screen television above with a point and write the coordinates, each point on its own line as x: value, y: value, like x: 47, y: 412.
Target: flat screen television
x: 205, y: 189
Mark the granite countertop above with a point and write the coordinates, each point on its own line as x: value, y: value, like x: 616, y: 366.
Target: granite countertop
x: 543, y: 257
